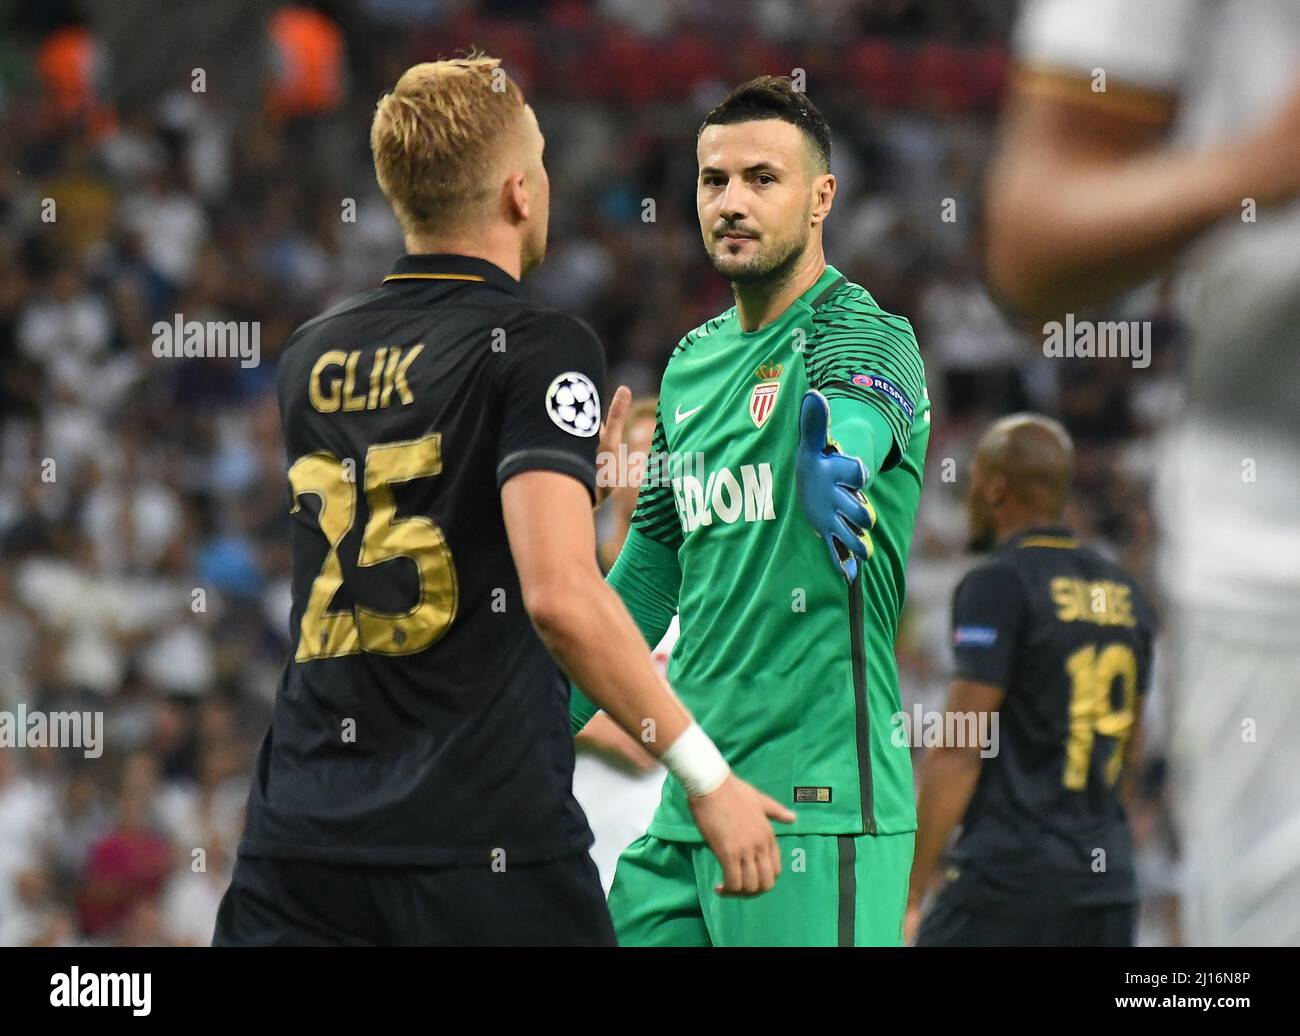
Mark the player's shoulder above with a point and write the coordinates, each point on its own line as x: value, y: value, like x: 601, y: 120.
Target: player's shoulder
x: 998, y: 564
x: 712, y: 326
x: 308, y: 330
x: 499, y: 308
x: 1061, y: 553
x: 545, y: 321
x: 1110, y: 569
x: 851, y: 307
x: 995, y: 573
x: 556, y: 347
x: 1099, y: 559
x: 1052, y: 551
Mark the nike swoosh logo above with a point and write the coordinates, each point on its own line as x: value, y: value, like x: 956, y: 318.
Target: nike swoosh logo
x: 682, y: 417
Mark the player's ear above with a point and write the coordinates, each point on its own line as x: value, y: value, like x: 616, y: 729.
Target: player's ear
x: 995, y: 490
x: 514, y: 193
x: 823, y: 188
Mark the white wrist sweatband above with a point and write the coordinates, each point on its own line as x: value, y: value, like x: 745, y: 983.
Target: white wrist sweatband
x: 695, y: 761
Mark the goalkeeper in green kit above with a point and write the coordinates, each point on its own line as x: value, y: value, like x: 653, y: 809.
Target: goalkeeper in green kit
x: 778, y: 420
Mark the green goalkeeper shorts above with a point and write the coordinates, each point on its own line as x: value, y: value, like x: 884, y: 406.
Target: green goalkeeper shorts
x: 833, y: 890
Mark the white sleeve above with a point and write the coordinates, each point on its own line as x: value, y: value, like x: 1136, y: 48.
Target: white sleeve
x: 1142, y: 43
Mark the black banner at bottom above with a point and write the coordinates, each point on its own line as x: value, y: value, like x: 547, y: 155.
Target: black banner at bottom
x: 140, y: 986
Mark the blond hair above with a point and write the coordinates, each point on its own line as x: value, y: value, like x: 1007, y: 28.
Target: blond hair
x: 437, y: 135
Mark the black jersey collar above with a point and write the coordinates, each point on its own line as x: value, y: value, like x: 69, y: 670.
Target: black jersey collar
x: 1060, y: 536
x: 446, y: 267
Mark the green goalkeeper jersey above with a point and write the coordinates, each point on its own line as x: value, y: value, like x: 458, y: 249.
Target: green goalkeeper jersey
x: 788, y: 669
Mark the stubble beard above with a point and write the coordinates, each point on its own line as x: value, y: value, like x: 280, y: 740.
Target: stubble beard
x: 980, y: 537
x: 771, y: 271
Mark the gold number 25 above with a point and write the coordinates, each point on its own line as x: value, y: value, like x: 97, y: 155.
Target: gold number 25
x: 332, y: 634
x: 1091, y: 675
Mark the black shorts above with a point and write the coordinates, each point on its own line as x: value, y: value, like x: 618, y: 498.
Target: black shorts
x: 952, y: 921
x: 300, y: 903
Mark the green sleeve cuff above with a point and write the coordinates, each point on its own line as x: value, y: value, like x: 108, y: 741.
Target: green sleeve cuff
x: 863, y: 432
x: 648, y: 578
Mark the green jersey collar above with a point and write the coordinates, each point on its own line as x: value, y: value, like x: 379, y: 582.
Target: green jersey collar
x: 830, y: 278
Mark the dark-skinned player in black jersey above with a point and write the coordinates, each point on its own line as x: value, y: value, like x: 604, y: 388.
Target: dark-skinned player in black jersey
x: 442, y: 431
x: 1055, y: 640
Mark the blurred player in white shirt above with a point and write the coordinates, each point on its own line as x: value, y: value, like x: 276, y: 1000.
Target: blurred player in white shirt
x: 615, y: 780
x: 1162, y: 136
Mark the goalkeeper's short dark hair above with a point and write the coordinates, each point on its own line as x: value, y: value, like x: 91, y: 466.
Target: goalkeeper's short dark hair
x: 774, y: 97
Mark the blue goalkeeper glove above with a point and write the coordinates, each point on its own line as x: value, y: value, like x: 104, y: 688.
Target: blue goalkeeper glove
x: 828, y: 483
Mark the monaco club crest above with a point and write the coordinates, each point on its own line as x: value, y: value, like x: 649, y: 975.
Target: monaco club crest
x: 763, y: 399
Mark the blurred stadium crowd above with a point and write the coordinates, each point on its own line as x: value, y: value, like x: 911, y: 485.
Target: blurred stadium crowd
x: 143, y: 525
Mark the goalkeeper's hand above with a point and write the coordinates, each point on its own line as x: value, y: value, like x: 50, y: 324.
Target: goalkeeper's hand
x: 828, y: 483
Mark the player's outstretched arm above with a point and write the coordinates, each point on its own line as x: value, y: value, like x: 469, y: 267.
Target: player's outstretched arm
x: 1084, y: 199
x: 831, y: 474
x: 948, y: 779
x: 829, y: 484
x: 586, y: 628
